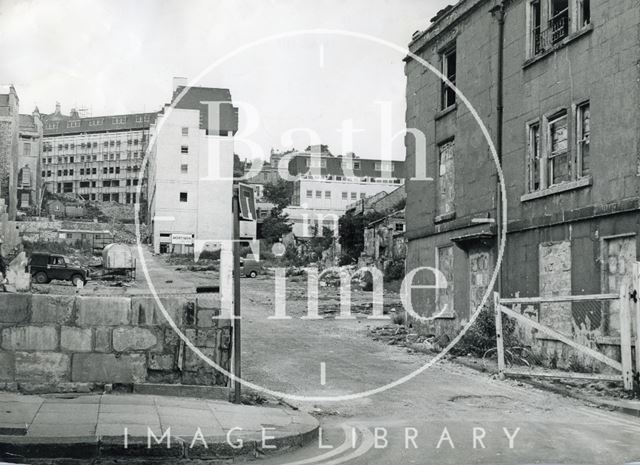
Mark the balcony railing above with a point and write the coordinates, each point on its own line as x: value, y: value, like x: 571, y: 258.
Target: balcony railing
x: 557, y: 30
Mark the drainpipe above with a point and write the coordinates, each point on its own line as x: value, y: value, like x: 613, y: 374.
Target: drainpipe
x: 498, y: 13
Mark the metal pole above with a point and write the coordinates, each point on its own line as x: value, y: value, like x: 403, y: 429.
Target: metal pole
x: 237, y: 350
x: 499, y: 335
x: 499, y: 12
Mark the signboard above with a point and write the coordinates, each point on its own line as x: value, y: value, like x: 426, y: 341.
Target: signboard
x: 247, y: 200
x: 184, y: 239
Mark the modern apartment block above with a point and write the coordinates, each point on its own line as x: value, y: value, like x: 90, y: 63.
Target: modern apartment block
x: 324, y: 185
x: 570, y: 119
x: 191, y: 170
x: 96, y: 158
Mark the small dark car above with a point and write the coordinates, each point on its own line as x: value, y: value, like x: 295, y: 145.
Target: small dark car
x: 45, y: 266
x: 249, y: 268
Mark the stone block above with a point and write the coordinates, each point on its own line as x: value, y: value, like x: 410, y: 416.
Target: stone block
x: 133, y: 338
x: 208, y: 302
x: 103, y: 311
x: 146, y: 312
x: 102, y: 340
x: 206, y: 338
x: 30, y: 338
x: 7, y: 366
x: 205, y: 318
x: 39, y: 367
x: 193, y: 362
x: 14, y: 308
x: 56, y: 309
x: 75, y: 339
x: 108, y: 368
x: 162, y: 362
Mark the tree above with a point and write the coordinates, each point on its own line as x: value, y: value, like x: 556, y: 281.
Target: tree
x: 275, y: 226
x: 351, y: 228
x: 279, y: 193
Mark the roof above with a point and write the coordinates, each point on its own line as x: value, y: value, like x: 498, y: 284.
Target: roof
x: 57, y: 124
x: 194, y: 98
x: 27, y: 123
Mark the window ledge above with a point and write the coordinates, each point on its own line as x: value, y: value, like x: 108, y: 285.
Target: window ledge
x: 446, y: 111
x: 445, y: 217
x: 566, y: 41
x: 446, y: 316
x: 558, y: 188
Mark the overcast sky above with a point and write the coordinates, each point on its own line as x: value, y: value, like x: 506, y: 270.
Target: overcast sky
x: 120, y: 56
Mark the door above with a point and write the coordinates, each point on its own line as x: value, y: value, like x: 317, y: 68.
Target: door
x: 618, y: 257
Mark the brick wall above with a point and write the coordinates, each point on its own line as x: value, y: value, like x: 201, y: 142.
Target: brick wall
x: 52, y: 343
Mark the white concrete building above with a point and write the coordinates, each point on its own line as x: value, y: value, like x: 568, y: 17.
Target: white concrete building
x: 190, y: 172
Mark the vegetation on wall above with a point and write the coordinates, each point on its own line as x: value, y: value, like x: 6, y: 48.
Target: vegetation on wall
x: 351, y: 229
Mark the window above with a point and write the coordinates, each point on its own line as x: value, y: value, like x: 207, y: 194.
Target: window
x: 354, y: 196
x: 117, y: 170
x: 138, y: 120
x: 583, y: 137
x: 446, y: 179
x: 94, y: 171
x: 81, y: 171
x: 119, y: 119
x: 185, y: 131
x: 327, y: 194
x: 316, y: 162
x: 356, y: 165
x: 111, y: 170
x: 184, y: 169
x: 73, y: 124
x: 105, y: 170
x: 84, y: 183
x: 449, y: 71
x: 93, y: 196
x: 345, y: 196
x: 184, y: 149
x: 551, y: 21
x: 106, y: 197
x: 183, y: 196
x: 93, y: 184
x: 309, y: 194
x: 318, y: 194
x: 106, y: 183
x: 26, y: 149
x: 399, y: 227
x: 533, y: 157
x: 559, y: 166
x: 384, y: 166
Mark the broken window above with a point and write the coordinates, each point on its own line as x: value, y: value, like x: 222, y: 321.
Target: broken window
x: 534, y: 161
x: 559, y: 163
x: 559, y: 20
x: 535, y: 14
x: 584, y: 10
x: 446, y: 179
x: 449, y: 71
x: 583, y: 137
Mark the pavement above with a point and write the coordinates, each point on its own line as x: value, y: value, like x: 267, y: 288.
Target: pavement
x: 108, y: 425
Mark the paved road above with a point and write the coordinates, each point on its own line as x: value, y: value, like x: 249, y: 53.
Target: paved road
x: 441, y: 406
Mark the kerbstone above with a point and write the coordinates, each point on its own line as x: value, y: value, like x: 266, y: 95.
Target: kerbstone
x: 75, y: 339
x: 103, y: 311
x: 108, y: 368
x: 133, y: 338
x: 52, y: 308
x: 42, y: 367
x: 14, y: 308
x: 30, y: 338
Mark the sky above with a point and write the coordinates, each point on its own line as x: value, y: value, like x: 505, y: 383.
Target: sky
x: 120, y: 56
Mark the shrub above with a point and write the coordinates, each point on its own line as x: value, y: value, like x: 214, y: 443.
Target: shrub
x: 481, y: 336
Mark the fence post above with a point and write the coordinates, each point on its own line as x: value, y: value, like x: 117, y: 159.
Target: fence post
x: 625, y: 338
x: 636, y: 287
x: 499, y: 335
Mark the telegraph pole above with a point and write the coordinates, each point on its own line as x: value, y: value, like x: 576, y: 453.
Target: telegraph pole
x: 237, y: 346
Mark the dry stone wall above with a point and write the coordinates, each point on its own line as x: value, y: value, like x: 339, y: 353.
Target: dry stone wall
x: 59, y: 343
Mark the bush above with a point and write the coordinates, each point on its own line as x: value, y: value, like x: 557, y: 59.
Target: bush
x: 395, y: 270
x: 481, y: 336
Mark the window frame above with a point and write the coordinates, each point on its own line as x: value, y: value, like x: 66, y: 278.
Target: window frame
x: 582, y: 138
x: 445, y: 90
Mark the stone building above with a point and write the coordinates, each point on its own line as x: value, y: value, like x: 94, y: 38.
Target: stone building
x: 29, y: 178
x: 567, y: 72
x: 97, y: 158
x: 9, y: 130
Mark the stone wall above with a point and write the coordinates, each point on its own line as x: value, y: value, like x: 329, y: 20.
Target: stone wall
x: 62, y: 343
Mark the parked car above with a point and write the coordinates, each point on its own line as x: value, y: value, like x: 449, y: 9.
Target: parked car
x: 249, y: 268
x: 46, y: 266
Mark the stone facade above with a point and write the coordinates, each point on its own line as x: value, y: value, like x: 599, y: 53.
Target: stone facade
x: 55, y: 343
x: 570, y: 151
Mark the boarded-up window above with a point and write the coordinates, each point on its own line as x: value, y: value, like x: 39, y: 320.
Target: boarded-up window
x: 534, y: 153
x: 555, y: 280
x: 480, y: 270
x: 444, y: 295
x: 618, y: 257
x: 446, y: 179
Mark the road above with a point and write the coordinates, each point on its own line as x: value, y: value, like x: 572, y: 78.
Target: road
x: 428, y: 419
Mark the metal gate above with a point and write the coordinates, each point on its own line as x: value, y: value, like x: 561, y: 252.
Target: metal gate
x: 583, y: 337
